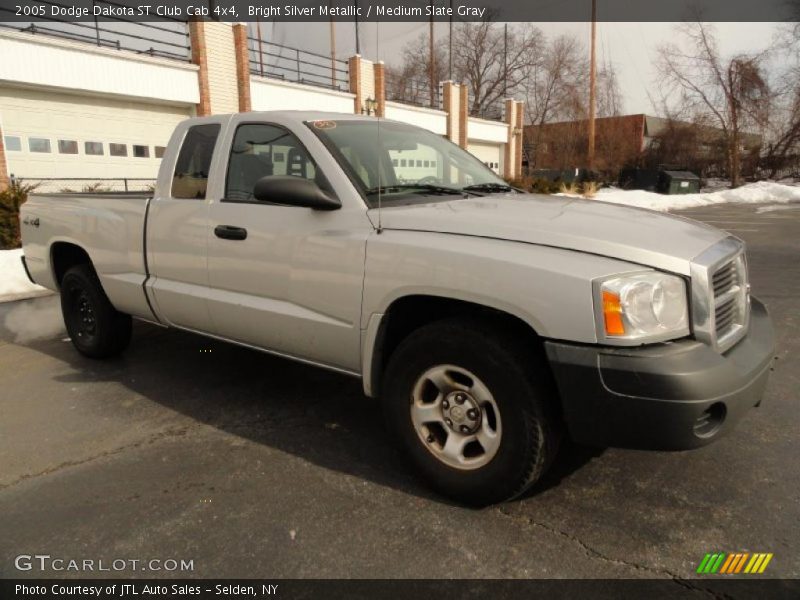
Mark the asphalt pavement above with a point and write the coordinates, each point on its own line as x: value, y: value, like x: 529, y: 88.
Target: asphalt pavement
x: 190, y: 449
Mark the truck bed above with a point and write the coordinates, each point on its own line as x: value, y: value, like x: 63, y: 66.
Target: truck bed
x: 109, y: 226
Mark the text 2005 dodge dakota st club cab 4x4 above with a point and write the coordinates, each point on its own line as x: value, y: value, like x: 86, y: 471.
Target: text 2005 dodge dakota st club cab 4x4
x: 488, y: 321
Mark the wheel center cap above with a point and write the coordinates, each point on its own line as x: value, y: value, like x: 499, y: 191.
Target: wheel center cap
x: 461, y: 412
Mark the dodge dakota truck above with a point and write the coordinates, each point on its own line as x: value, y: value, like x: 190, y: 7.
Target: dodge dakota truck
x: 490, y: 322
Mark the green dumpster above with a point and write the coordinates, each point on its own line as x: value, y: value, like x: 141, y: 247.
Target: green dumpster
x: 678, y: 182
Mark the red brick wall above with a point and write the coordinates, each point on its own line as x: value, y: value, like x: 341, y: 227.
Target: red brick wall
x: 618, y: 143
x: 354, y: 64
x: 242, y: 67
x: 200, y: 58
x: 380, y: 88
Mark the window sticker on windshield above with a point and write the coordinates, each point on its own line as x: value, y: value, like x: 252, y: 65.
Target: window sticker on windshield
x: 325, y: 124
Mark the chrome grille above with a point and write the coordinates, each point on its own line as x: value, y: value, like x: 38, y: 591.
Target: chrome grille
x: 720, y: 294
x: 728, y: 297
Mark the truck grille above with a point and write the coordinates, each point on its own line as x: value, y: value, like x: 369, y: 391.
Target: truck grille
x: 727, y: 302
x: 720, y: 294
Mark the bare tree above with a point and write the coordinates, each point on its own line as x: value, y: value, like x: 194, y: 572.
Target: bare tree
x: 554, y: 82
x: 409, y: 81
x: 731, y: 92
x: 494, y: 65
x: 781, y: 147
x: 609, y: 96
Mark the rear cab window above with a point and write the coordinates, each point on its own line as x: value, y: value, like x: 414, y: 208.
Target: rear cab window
x: 190, y: 179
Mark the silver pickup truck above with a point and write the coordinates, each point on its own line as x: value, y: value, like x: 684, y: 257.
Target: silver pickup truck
x: 490, y: 322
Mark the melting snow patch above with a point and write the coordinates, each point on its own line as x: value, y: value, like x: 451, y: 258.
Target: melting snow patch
x: 762, y: 192
x: 14, y: 283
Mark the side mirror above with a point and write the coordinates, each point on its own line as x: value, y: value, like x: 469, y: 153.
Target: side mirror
x: 293, y: 191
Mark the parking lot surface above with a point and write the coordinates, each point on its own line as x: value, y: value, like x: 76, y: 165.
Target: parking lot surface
x: 249, y: 465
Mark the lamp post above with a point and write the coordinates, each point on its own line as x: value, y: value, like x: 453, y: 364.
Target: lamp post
x: 370, y: 107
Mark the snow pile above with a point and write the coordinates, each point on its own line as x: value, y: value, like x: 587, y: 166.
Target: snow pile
x: 762, y: 192
x: 14, y: 283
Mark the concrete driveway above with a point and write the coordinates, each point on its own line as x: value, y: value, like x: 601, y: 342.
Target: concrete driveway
x: 249, y: 465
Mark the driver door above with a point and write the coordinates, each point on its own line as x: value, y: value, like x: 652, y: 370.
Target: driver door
x: 284, y: 278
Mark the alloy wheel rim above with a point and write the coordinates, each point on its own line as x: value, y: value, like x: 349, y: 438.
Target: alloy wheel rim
x: 456, y: 417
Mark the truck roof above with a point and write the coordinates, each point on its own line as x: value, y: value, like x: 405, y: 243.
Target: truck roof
x: 306, y: 115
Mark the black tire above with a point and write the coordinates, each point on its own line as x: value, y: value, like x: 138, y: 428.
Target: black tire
x: 522, y: 389
x: 96, y: 328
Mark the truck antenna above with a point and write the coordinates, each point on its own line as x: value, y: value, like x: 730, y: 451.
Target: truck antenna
x: 378, y: 116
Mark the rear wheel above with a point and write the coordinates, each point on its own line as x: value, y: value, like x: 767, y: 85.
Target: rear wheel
x: 473, y: 406
x: 96, y: 328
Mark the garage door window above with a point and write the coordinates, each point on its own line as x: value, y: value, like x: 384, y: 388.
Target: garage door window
x: 93, y: 148
x: 141, y: 151
x: 67, y: 147
x: 13, y: 143
x: 118, y: 149
x: 39, y: 145
x: 194, y: 162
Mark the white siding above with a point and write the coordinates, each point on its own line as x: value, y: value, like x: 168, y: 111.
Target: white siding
x: 487, y: 131
x: 272, y: 94
x: 54, y: 63
x: 27, y: 113
x: 427, y: 118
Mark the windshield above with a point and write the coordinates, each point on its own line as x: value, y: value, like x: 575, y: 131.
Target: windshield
x: 404, y: 162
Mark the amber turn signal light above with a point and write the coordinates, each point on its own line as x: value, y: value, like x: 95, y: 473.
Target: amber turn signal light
x: 612, y: 313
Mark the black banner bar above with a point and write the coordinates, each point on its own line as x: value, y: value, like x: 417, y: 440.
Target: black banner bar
x: 536, y: 11
x: 359, y: 589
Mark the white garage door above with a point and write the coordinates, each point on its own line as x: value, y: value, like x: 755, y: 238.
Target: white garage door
x: 489, y: 154
x: 58, y: 135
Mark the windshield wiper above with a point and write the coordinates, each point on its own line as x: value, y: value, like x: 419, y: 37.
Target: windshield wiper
x: 428, y: 187
x: 489, y: 187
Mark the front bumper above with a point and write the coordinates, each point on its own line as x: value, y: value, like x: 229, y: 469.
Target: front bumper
x: 672, y: 396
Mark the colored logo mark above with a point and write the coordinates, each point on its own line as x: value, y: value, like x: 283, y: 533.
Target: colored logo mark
x: 737, y: 562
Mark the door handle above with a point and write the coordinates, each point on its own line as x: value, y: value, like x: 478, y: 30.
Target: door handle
x: 229, y: 232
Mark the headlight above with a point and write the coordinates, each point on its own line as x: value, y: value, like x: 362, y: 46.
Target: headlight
x: 641, y: 307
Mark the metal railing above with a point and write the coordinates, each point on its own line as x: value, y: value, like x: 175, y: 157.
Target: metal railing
x: 87, y: 185
x: 412, y: 91
x: 493, y: 111
x: 166, y: 38
x: 269, y: 59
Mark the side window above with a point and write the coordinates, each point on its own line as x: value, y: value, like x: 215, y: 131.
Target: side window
x: 260, y: 150
x: 194, y: 162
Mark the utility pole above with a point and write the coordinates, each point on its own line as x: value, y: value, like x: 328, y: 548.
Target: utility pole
x: 450, y: 44
x: 333, y: 51
x: 358, y: 44
x: 592, y: 84
x: 505, y: 61
x: 431, y: 64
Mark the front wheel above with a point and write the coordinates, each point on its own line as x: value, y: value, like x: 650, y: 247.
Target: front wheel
x: 95, y: 327
x: 474, y: 407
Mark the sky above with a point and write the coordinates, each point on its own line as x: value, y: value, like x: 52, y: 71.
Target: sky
x: 630, y: 47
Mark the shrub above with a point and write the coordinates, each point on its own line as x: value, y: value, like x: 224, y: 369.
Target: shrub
x: 10, y: 201
x: 571, y: 189
x: 590, y: 188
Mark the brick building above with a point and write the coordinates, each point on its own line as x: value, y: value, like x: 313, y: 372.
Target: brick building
x: 623, y: 141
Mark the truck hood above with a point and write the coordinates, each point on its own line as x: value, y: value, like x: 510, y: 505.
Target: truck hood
x: 635, y: 235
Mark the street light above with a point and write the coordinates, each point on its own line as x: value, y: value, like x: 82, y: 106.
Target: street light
x: 370, y: 106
